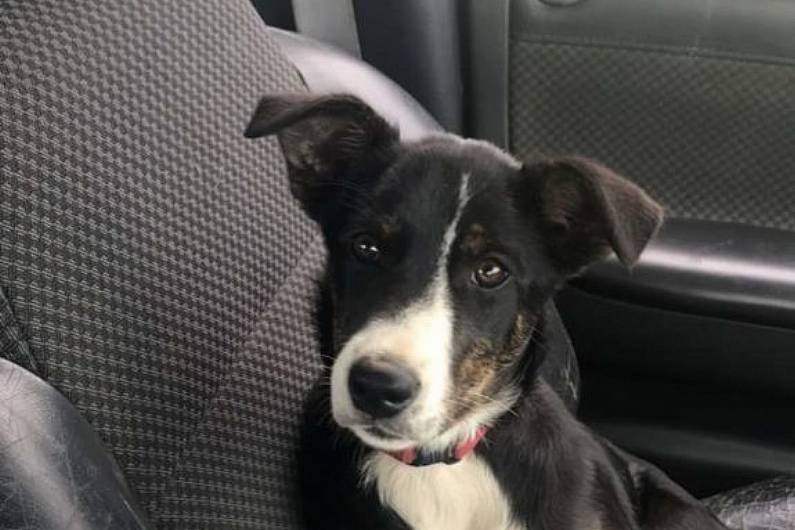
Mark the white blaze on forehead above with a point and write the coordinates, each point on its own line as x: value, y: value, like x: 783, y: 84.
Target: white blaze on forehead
x: 420, y: 337
x: 449, y: 234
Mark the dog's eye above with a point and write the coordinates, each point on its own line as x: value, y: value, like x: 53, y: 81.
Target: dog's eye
x: 490, y: 273
x: 365, y: 248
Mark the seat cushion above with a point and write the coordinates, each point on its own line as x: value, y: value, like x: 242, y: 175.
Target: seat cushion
x: 768, y: 505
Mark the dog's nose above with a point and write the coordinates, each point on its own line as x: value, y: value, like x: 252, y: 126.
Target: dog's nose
x: 381, y: 388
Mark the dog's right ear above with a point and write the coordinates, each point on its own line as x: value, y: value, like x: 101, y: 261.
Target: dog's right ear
x: 585, y: 210
x: 333, y: 144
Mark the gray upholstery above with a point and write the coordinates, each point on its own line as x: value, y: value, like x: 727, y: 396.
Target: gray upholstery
x: 151, y: 256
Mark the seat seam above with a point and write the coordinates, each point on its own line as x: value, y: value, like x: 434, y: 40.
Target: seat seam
x: 238, y: 358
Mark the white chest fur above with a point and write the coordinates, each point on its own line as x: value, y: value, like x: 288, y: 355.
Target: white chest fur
x: 461, y: 496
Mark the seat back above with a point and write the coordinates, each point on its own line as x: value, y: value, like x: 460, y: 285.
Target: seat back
x: 151, y: 258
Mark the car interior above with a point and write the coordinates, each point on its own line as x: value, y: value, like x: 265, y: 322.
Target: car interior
x: 157, y: 280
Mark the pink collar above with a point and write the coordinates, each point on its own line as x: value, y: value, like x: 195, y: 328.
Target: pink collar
x: 451, y: 455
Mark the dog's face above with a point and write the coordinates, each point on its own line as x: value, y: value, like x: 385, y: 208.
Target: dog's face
x: 433, y: 273
x: 442, y: 253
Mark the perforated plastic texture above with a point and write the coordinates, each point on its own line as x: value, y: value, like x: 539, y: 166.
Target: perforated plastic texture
x: 711, y: 137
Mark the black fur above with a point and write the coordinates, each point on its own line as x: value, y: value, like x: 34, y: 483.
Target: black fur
x: 545, y: 221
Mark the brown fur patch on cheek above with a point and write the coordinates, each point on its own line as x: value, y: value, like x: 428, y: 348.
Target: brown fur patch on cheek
x: 520, y: 333
x: 475, y: 376
x: 389, y: 228
x: 474, y: 241
x: 472, y: 378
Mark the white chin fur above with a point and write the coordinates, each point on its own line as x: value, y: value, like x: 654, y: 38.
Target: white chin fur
x: 382, y: 444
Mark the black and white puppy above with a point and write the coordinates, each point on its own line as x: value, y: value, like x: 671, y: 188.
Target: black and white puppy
x: 442, y: 254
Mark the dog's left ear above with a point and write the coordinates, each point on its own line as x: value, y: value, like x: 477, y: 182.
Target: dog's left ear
x: 332, y: 143
x: 585, y: 210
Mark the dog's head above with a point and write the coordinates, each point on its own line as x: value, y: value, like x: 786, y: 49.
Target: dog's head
x: 442, y: 253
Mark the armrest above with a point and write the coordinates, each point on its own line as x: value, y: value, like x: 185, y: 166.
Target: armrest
x: 711, y: 269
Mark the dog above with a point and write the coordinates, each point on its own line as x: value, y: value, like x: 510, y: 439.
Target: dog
x: 442, y: 256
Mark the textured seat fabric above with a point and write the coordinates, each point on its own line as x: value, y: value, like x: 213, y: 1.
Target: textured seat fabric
x: 151, y: 258
x: 767, y: 505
